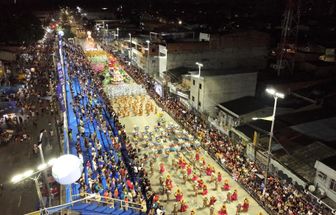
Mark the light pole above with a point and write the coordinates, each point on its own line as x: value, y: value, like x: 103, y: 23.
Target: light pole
x: 28, y: 175
x: 130, y: 39
x: 275, y: 95
x: 148, y: 42
x: 117, y: 33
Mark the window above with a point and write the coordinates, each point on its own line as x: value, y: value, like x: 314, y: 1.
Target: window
x: 194, y: 82
x: 200, y: 86
x: 199, y: 104
x: 333, y: 185
x: 321, y: 176
x: 193, y: 98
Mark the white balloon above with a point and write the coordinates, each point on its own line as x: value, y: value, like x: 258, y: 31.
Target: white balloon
x: 67, y: 169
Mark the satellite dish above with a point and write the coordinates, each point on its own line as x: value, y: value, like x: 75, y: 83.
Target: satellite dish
x: 67, y: 169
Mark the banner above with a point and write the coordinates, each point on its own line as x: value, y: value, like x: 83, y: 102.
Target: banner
x: 59, y: 94
x: 60, y: 73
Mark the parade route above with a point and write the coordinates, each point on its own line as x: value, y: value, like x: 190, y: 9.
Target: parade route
x: 138, y: 128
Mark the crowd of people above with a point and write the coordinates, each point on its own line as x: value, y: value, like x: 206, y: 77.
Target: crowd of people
x: 280, y: 197
x: 33, y: 98
x: 133, y: 105
x: 111, y: 165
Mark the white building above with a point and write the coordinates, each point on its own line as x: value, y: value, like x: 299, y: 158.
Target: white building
x: 217, y: 86
x: 325, y: 178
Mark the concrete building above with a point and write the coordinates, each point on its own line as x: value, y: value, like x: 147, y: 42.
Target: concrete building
x: 325, y: 178
x: 217, y: 86
x: 220, y: 51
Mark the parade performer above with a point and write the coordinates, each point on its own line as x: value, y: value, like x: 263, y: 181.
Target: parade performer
x: 189, y: 170
x: 223, y: 210
x: 212, y: 200
x: 194, y: 178
x: 208, y: 170
x: 246, y: 205
x: 162, y: 168
x: 234, y: 196
x: 178, y: 195
x: 197, y: 155
x: 219, y: 177
x: 205, y: 190
x: 169, y: 183
x: 200, y: 184
x: 226, y: 185
x: 184, y: 206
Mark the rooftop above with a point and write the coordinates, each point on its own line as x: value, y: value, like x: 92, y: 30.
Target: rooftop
x: 223, y: 72
x: 324, y: 129
x: 330, y: 161
x: 242, y: 105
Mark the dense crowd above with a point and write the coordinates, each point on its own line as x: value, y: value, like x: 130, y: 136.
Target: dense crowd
x: 281, y: 197
x: 33, y: 97
x: 111, y: 165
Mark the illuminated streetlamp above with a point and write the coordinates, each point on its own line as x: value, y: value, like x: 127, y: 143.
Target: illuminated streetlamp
x: 28, y: 175
x: 275, y: 95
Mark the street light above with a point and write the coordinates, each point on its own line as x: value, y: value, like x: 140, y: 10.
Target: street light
x: 200, y: 65
x: 148, y: 42
x: 268, y: 118
x: 275, y: 95
x: 28, y: 175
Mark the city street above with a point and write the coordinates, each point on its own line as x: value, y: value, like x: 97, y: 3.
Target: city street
x: 138, y: 124
x: 15, y: 157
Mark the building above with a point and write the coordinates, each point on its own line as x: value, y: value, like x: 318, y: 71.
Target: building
x: 217, y: 86
x: 325, y: 178
x: 240, y: 111
x: 220, y: 51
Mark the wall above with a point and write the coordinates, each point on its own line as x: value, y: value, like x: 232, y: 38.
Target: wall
x: 214, y: 59
x: 7, y: 55
x: 218, y: 89
x: 222, y: 51
x: 324, y: 184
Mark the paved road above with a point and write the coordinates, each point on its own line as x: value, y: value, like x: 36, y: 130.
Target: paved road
x: 187, y: 189
x: 16, y: 157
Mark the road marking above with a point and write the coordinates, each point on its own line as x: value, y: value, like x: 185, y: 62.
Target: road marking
x: 19, y: 204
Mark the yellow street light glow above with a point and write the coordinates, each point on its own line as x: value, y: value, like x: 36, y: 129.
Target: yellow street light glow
x: 51, y: 161
x: 42, y: 166
x: 199, y: 64
x: 273, y: 92
x: 17, y: 178
x: 28, y: 173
